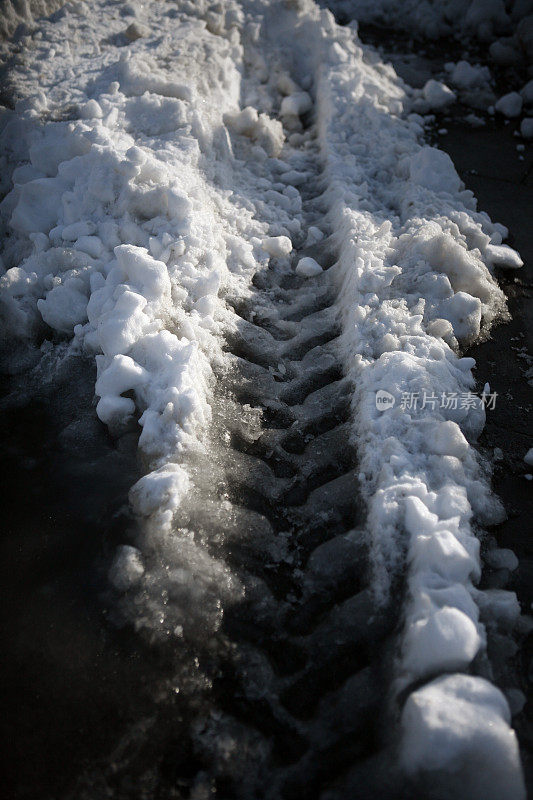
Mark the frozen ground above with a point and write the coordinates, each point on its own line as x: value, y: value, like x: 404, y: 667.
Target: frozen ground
x: 231, y: 212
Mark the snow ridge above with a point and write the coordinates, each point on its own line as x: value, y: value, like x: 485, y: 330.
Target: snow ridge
x: 422, y: 480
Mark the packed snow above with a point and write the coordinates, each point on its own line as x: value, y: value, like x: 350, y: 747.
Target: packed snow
x: 130, y: 218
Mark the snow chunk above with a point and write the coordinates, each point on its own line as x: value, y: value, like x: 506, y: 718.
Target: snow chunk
x: 121, y: 323
x: 464, y: 312
x: 77, y: 230
x: 448, y: 440
x: 145, y: 272
x: 460, y: 724
x: 501, y: 558
x: 504, y: 54
x: 277, y: 246
x: 314, y: 235
x: 446, y: 639
x: 243, y: 122
x: 309, y: 267
x: 122, y: 375
x: 434, y: 170
x: 114, y: 411
x: 527, y: 92
x: 528, y: 458
x: 65, y: 305
x: 510, y: 105
x: 260, y: 128
x: 159, y: 490
x: 503, y: 256
x: 438, y: 95
x: 91, y: 245
x: 296, y: 104
x: 526, y: 128
x: 37, y: 206
x: 90, y: 110
x: 466, y: 76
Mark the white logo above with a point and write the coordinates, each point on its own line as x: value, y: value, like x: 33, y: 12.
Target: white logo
x: 384, y: 400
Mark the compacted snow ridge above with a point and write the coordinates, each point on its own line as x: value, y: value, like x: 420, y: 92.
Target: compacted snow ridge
x: 231, y: 209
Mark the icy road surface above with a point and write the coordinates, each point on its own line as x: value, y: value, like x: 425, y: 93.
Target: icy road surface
x: 231, y: 210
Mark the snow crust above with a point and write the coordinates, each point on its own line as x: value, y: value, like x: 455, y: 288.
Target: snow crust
x: 131, y: 217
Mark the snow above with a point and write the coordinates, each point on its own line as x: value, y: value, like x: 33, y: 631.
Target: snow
x: 501, y: 558
x: 526, y: 128
x: 296, y: 104
x: 314, y: 235
x: 309, y: 267
x: 434, y: 170
x: 510, y: 105
x: 504, y: 53
x: 403, y: 276
x: 132, y: 220
x: 277, y: 246
x: 258, y: 127
x: 438, y: 95
x: 468, y: 76
x: 527, y: 92
x: 127, y: 568
x: 528, y: 458
x: 461, y: 723
x: 160, y: 492
x: 503, y: 256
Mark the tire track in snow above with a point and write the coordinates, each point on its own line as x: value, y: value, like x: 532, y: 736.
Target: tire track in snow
x: 294, y: 675
x: 306, y: 631
x: 254, y: 583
